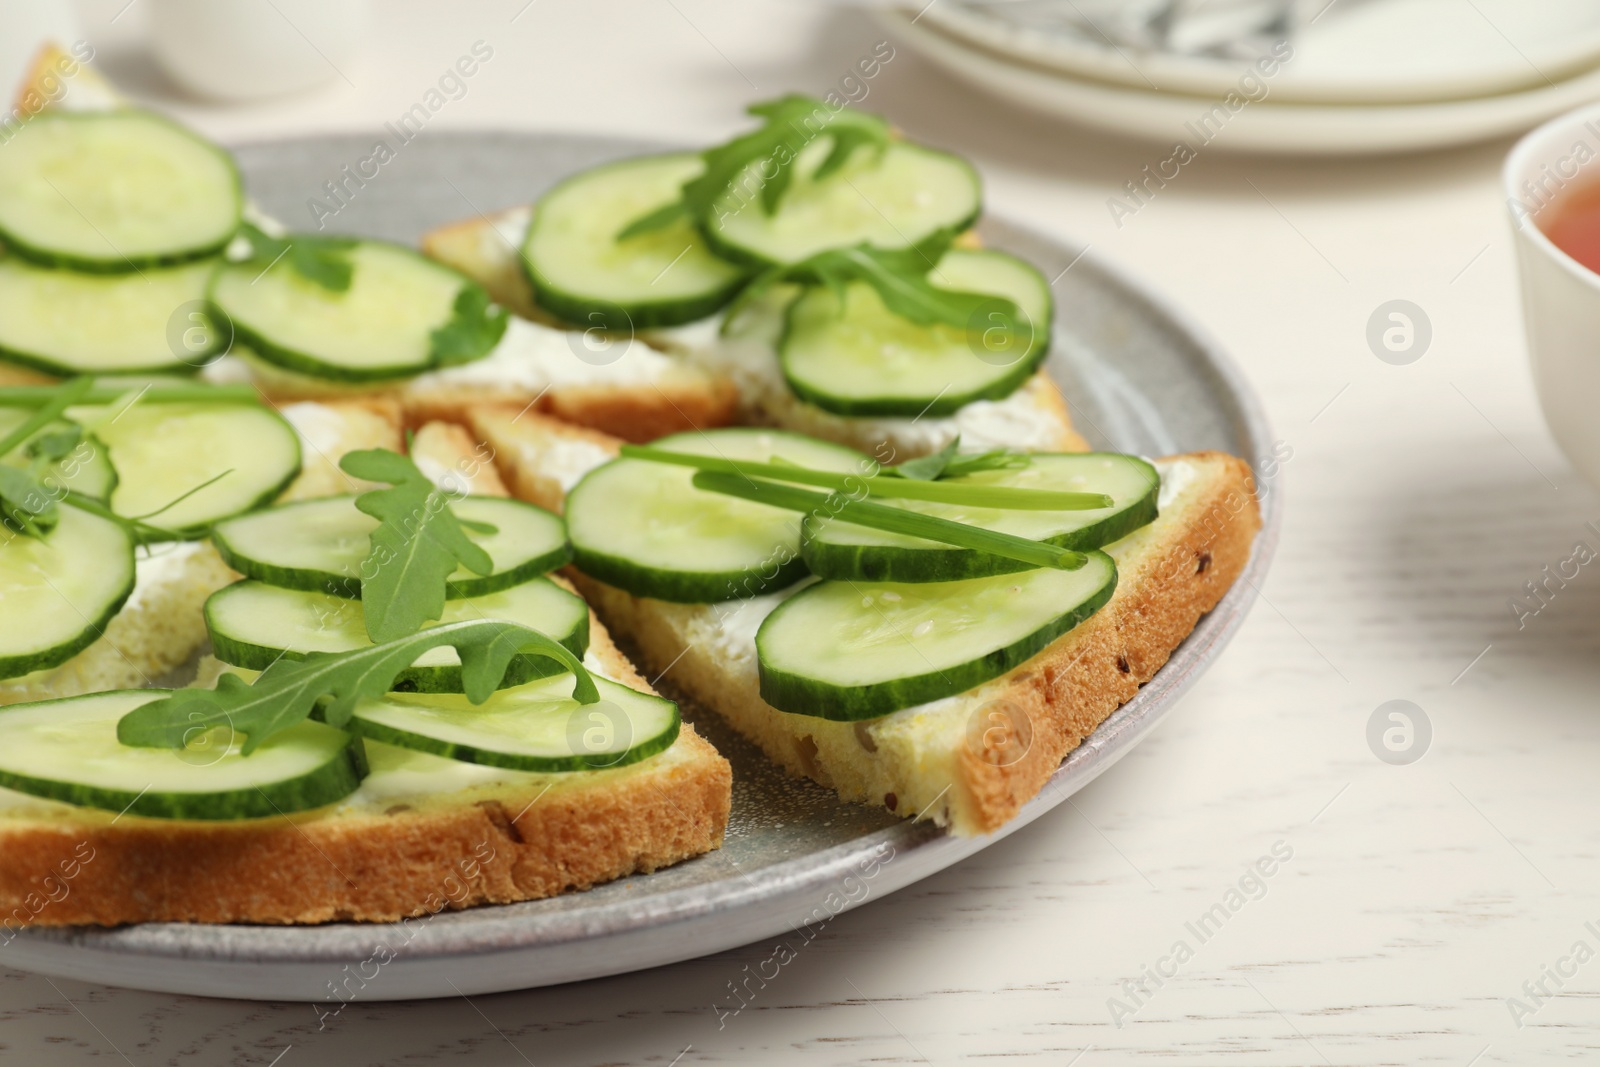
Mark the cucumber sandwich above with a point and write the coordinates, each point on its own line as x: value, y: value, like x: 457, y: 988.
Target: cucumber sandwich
x: 402, y: 697
x: 400, y: 676
x: 933, y: 637
x: 818, y: 265
x: 128, y: 247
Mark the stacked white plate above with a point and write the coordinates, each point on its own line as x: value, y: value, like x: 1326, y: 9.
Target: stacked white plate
x: 1362, y: 76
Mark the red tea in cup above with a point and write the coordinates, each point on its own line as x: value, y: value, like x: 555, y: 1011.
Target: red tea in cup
x: 1573, y: 225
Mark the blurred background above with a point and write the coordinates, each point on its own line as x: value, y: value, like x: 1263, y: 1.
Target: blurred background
x: 1359, y: 179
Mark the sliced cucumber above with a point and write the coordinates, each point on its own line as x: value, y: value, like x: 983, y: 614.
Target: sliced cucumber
x: 113, y: 191
x: 68, y: 322
x: 253, y: 624
x: 859, y: 358
x: 162, y: 450
x: 582, y: 273
x: 86, y: 469
x: 907, y: 196
x: 68, y: 750
x: 849, y: 650
x: 58, y: 592
x: 381, y: 327
x: 320, y: 544
x: 833, y: 548
x: 531, y: 727
x: 642, y: 527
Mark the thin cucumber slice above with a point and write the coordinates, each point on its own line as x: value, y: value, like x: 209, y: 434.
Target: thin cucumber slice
x: 642, y: 527
x: 582, y: 273
x: 68, y: 750
x: 319, y: 545
x: 380, y: 328
x: 115, y: 191
x: 862, y: 359
x: 69, y: 322
x: 833, y: 548
x: 58, y: 592
x: 849, y: 650
x: 253, y: 624
x: 532, y: 727
x: 909, y: 196
x: 86, y: 469
x: 162, y: 450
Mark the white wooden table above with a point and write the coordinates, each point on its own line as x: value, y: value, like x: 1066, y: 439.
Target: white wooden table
x: 1416, y: 900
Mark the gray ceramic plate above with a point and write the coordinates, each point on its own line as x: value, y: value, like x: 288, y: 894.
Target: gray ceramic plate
x: 1140, y: 379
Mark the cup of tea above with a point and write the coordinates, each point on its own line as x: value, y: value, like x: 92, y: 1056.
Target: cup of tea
x: 1552, y: 188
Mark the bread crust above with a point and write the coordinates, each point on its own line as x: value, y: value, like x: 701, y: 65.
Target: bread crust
x: 1050, y: 397
x: 1045, y: 707
x: 453, y: 459
x: 1025, y: 722
x: 329, y: 428
x: 50, y: 76
x: 529, y: 473
x: 484, y: 846
x: 17, y: 374
x: 637, y: 413
x: 1065, y: 692
x: 491, y: 845
x: 475, y: 247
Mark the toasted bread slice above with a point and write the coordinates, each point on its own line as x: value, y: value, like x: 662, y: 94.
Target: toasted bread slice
x: 56, y: 78
x: 330, y: 428
x: 454, y: 460
x: 15, y: 374
x: 642, y: 396
x: 625, y: 388
x: 422, y: 833
x: 540, y: 458
x: 1034, y: 417
x: 971, y: 761
x: 487, y: 248
x: 160, y: 628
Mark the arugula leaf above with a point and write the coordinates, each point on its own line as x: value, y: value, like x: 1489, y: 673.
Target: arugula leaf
x: 54, y: 445
x: 26, y: 506
x: 322, y: 260
x: 416, y: 546
x: 56, y: 399
x: 928, y: 468
x: 473, y: 330
x: 900, y: 278
x: 995, y: 459
x: 793, y: 122
x: 949, y: 463
x: 285, y: 693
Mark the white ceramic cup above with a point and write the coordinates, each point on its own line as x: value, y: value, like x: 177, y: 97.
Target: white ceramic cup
x: 1560, y: 296
x: 249, y: 49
